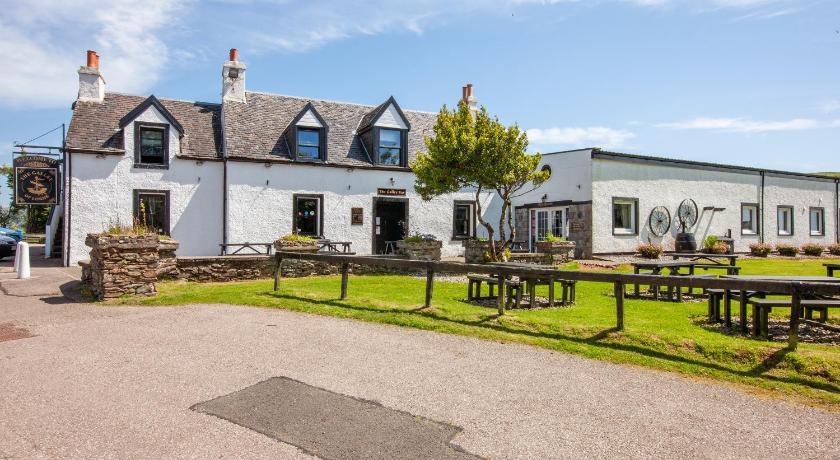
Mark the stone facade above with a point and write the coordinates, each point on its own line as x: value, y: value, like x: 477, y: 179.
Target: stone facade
x: 580, y: 229
x: 121, y: 265
x: 556, y: 252
x: 420, y: 250
x: 223, y: 268
x: 167, y: 263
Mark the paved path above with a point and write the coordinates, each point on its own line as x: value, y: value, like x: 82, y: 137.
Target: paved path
x: 120, y: 381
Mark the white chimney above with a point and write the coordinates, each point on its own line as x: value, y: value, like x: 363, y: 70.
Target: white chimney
x: 468, y: 98
x: 91, y: 83
x: 233, y: 78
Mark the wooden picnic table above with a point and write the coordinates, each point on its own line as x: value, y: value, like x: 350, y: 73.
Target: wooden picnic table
x: 831, y: 268
x: 745, y: 295
x: 531, y: 282
x: 332, y: 246
x: 655, y: 267
x: 710, y: 261
x: 252, y: 248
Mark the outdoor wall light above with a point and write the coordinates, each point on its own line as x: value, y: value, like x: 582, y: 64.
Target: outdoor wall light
x: 544, y: 197
x: 392, y: 181
x: 266, y: 182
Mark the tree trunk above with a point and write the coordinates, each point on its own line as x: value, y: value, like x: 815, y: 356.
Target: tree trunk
x: 487, y: 225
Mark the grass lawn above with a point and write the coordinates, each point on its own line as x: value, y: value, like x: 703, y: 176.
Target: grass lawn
x: 659, y: 335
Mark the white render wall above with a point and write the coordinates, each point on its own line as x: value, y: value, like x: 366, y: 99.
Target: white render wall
x: 667, y: 185
x: 102, y: 194
x: 571, y: 179
x: 262, y: 212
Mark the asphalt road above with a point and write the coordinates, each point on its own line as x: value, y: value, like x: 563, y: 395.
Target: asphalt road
x: 120, y: 382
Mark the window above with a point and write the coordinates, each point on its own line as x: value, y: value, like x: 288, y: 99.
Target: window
x: 464, y: 220
x: 390, y: 147
x: 749, y: 219
x: 817, y: 218
x: 308, y: 215
x: 625, y: 216
x: 151, y: 210
x: 784, y: 219
x: 151, y: 144
x: 309, y: 144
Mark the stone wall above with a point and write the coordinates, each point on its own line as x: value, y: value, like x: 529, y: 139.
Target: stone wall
x: 121, y: 265
x: 580, y: 229
x: 223, y: 268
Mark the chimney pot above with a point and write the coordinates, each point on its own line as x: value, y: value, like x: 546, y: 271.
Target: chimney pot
x: 469, y: 89
x: 234, y: 54
x: 92, y: 59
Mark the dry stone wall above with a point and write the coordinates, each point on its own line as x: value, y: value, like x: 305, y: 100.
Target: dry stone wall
x: 122, y: 265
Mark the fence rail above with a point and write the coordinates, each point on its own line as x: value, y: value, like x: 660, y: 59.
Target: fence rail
x: 795, y: 289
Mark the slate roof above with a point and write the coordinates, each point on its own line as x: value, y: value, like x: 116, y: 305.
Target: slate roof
x: 95, y: 127
x: 254, y: 129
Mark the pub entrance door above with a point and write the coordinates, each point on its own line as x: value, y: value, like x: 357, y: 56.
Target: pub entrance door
x: 390, y: 223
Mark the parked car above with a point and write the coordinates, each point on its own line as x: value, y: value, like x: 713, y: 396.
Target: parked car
x: 8, y: 246
x: 16, y: 234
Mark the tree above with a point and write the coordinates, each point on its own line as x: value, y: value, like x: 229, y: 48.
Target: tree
x: 471, y: 149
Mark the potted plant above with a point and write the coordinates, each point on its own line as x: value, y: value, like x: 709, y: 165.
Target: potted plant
x: 760, y: 249
x: 786, y: 250
x: 556, y: 248
x: 812, y: 249
x: 712, y: 245
x: 649, y: 250
x: 475, y: 250
x: 420, y: 247
x: 296, y: 243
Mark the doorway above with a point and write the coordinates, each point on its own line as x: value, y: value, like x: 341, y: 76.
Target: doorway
x: 390, y: 223
x: 545, y: 222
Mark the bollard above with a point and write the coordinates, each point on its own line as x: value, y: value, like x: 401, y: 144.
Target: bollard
x: 17, y: 257
x: 23, y: 260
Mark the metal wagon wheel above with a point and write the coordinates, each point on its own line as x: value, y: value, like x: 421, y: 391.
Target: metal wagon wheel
x: 687, y: 214
x: 659, y: 220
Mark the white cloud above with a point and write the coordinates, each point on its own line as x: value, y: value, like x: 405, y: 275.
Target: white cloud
x: 830, y: 106
x: 579, y: 136
x: 43, y: 44
x: 745, y: 125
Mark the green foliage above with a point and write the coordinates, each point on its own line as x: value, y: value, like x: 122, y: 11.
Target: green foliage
x: 834, y: 249
x: 552, y: 238
x: 418, y: 238
x: 295, y: 237
x: 760, y: 249
x: 710, y: 241
x: 649, y: 250
x: 812, y: 249
x: 473, y: 149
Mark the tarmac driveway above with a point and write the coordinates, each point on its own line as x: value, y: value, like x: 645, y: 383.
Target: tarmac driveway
x: 97, y: 381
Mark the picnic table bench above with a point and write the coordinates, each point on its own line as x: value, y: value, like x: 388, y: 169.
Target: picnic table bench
x: 332, y: 246
x: 530, y: 283
x: 831, y: 268
x: 763, y: 307
x: 705, y: 261
x: 251, y: 248
x: 656, y: 267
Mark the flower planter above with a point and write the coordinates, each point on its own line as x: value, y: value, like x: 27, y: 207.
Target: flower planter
x: 122, y: 264
x: 556, y: 251
x: 296, y: 245
x: 420, y: 250
x: 475, y: 251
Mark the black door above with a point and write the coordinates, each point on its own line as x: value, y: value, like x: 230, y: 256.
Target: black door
x: 390, y: 221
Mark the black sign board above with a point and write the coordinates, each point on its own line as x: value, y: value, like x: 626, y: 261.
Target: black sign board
x: 391, y: 191
x: 36, y: 180
x: 357, y: 216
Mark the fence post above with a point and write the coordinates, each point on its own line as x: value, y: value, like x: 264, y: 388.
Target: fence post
x: 795, y: 309
x: 430, y: 280
x: 344, y: 268
x: 501, y: 294
x: 618, y: 290
x: 278, y: 270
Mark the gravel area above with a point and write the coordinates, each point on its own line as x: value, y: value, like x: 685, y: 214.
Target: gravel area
x: 119, y: 382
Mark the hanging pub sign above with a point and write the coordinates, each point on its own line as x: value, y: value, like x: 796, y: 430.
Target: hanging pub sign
x: 391, y: 191
x: 36, y: 180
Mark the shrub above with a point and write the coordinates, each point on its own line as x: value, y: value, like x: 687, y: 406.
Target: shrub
x: 552, y: 238
x: 418, y: 238
x: 649, y: 250
x: 834, y: 249
x: 812, y: 249
x: 760, y: 249
x: 710, y: 242
x: 296, y: 238
x: 786, y: 250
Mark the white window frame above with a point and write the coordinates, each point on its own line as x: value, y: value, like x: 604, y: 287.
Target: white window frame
x: 753, y: 228
x: 820, y: 230
x: 633, y: 229
x: 550, y: 214
x: 784, y: 218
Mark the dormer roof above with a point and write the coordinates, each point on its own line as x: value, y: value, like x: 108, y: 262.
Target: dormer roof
x: 388, y: 114
x: 151, y: 101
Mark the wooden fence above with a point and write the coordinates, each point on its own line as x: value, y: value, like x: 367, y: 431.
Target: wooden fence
x: 619, y: 280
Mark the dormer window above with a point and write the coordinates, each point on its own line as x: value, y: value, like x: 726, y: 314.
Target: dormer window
x: 390, y: 149
x: 151, y: 144
x: 309, y: 144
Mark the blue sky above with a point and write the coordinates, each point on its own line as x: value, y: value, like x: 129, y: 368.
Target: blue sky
x: 751, y: 82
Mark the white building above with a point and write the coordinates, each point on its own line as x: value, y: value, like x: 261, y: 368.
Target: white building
x: 250, y: 169
x: 603, y: 201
